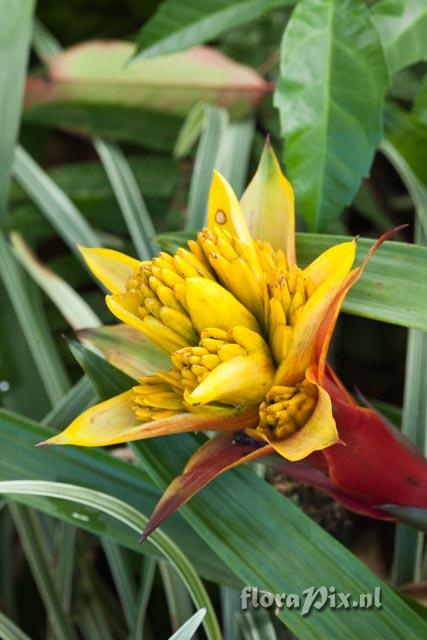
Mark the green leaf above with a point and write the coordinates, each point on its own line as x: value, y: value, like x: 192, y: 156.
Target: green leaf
x: 126, y: 348
x: 180, y: 24
x: 234, y: 152
x: 402, y: 26
x: 123, y: 579
x: 171, y: 241
x: 107, y: 380
x: 79, y: 397
x: 268, y: 542
x: 53, y: 202
x: 133, y: 519
x: 189, y: 628
x: 29, y: 311
x: 129, y: 197
x: 214, y: 129
x: 100, y: 471
x: 179, y: 604
x: 256, y: 625
x: 147, y: 579
x: 15, y: 36
x: 408, y: 134
x: 412, y: 516
x: 32, y: 541
x: 420, y: 102
x: 408, y: 543
x: 331, y: 125
x: 9, y: 630
x: 74, y: 309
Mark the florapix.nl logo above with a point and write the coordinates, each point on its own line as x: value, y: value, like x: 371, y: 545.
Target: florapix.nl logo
x: 313, y: 598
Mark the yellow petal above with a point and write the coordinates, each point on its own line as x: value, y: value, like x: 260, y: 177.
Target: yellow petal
x: 242, y: 380
x: 210, y: 305
x: 224, y: 212
x: 125, y: 307
x: 300, y: 355
x: 268, y: 205
x: 103, y: 424
x: 114, y: 422
x: 224, y: 209
x: 319, y: 432
x: 111, y: 268
x: 324, y: 267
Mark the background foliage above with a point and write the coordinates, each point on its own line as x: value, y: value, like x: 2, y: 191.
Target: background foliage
x: 98, y: 156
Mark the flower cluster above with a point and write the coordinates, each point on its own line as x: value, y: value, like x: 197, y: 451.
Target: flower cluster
x: 247, y: 331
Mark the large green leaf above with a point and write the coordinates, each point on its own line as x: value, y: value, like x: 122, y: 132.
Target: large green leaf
x: 402, y: 27
x: 268, y: 542
x: 97, y: 470
x: 180, y: 24
x: 330, y: 96
x: 15, y: 35
x: 133, y: 519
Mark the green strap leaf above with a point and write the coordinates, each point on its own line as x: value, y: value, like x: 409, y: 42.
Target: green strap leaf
x: 75, y: 310
x: 189, y: 628
x: 15, y: 37
x: 28, y: 308
x: 269, y: 543
x: 325, y: 43
x: 100, y: 471
x: 402, y: 27
x: 133, y: 519
x: 214, y: 128
x: 63, y: 215
x: 180, y: 24
x: 129, y: 197
x: 9, y: 630
x: 32, y: 540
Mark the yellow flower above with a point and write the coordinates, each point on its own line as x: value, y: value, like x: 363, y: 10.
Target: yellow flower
x: 246, y: 329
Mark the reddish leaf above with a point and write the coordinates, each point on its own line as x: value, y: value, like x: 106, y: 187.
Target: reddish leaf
x: 223, y: 452
x: 101, y: 72
x: 378, y: 464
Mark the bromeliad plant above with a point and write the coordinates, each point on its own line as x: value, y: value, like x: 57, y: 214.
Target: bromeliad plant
x: 248, y: 332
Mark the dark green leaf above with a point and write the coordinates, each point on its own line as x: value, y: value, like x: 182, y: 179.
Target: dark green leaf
x: 15, y: 36
x: 180, y: 24
x: 98, y: 470
x: 268, y: 542
x: 402, y: 26
x: 408, y: 134
x: 106, y: 379
x: 413, y: 517
x: 331, y: 125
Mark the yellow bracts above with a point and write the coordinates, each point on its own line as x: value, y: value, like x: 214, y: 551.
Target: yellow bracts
x: 244, y: 326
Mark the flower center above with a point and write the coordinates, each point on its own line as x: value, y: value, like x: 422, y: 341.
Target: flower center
x: 154, y: 399
x: 160, y: 285
x: 236, y: 266
x: 288, y: 292
x: 286, y: 409
x: 195, y: 363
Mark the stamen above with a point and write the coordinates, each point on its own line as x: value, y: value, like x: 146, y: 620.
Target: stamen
x: 286, y: 409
